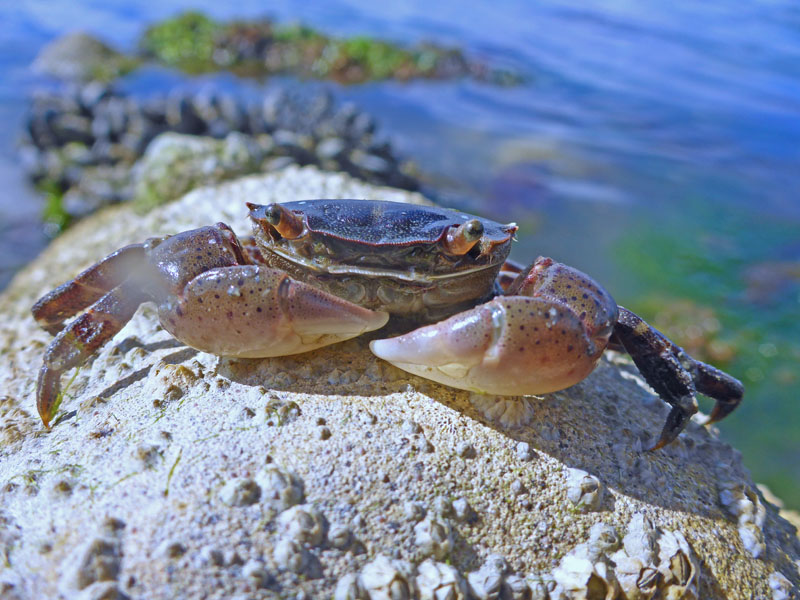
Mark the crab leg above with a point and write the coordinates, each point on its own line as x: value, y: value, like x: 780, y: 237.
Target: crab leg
x: 73, y: 345
x: 674, y: 375
x: 256, y: 311
x: 88, y: 287
x: 726, y: 391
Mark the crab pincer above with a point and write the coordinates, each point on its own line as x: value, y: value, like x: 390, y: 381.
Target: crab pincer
x: 536, y: 343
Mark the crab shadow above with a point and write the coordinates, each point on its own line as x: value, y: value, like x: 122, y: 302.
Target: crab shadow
x: 603, y: 426
x: 600, y: 426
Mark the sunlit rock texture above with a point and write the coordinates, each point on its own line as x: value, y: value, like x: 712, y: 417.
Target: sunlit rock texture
x: 177, y: 474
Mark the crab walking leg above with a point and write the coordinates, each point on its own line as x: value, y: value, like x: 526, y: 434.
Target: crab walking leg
x: 509, y: 273
x: 674, y: 375
x: 88, y: 287
x: 73, y: 345
x: 511, y: 345
x: 254, y: 311
x: 726, y: 391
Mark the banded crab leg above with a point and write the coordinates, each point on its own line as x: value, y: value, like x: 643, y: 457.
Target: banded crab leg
x: 675, y: 376
x: 67, y: 300
x: 75, y: 344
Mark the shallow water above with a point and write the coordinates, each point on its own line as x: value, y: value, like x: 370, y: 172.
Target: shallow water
x: 653, y: 145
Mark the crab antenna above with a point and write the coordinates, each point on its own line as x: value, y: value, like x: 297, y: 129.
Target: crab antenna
x: 460, y: 240
x: 284, y: 221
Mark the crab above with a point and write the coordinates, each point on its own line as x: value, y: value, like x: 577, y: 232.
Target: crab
x: 317, y: 272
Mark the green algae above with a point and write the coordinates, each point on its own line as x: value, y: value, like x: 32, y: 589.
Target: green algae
x: 53, y: 212
x: 195, y: 43
x: 186, y: 41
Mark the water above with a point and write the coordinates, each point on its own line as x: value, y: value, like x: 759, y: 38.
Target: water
x: 655, y: 145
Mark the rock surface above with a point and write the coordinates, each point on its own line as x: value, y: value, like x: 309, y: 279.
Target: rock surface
x: 177, y: 474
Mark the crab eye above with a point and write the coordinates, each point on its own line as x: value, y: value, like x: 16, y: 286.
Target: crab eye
x: 473, y: 230
x: 460, y: 240
x: 285, y: 222
x: 272, y: 213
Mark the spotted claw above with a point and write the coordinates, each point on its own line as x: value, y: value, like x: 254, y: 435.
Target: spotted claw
x: 511, y: 345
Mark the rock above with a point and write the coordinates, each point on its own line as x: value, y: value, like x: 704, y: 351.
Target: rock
x: 240, y: 492
x: 584, y: 491
x: 217, y: 420
x: 388, y: 579
x: 174, y: 164
x: 280, y: 488
x: 439, y: 581
x: 304, y: 523
x: 433, y: 538
x: 80, y: 56
x: 83, y: 141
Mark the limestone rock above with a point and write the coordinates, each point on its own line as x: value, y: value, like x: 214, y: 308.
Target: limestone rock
x: 669, y: 521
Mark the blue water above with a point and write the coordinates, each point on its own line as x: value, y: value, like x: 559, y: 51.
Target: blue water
x: 655, y: 145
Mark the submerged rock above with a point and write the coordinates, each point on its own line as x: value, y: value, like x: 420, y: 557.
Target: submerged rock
x: 397, y: 514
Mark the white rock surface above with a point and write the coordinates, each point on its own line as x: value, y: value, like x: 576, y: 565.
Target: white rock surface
x: 170, y: 470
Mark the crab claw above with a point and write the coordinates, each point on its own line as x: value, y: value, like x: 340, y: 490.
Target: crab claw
x: 511, y: 345
x: 253, y: 311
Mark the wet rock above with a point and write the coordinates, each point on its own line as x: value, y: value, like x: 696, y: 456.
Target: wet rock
x: 182, y: 117
x: 174, y: 164
x: 115, y: 131
x: 68, y: 128
x: 370, y: 163
x: 331, y: 148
